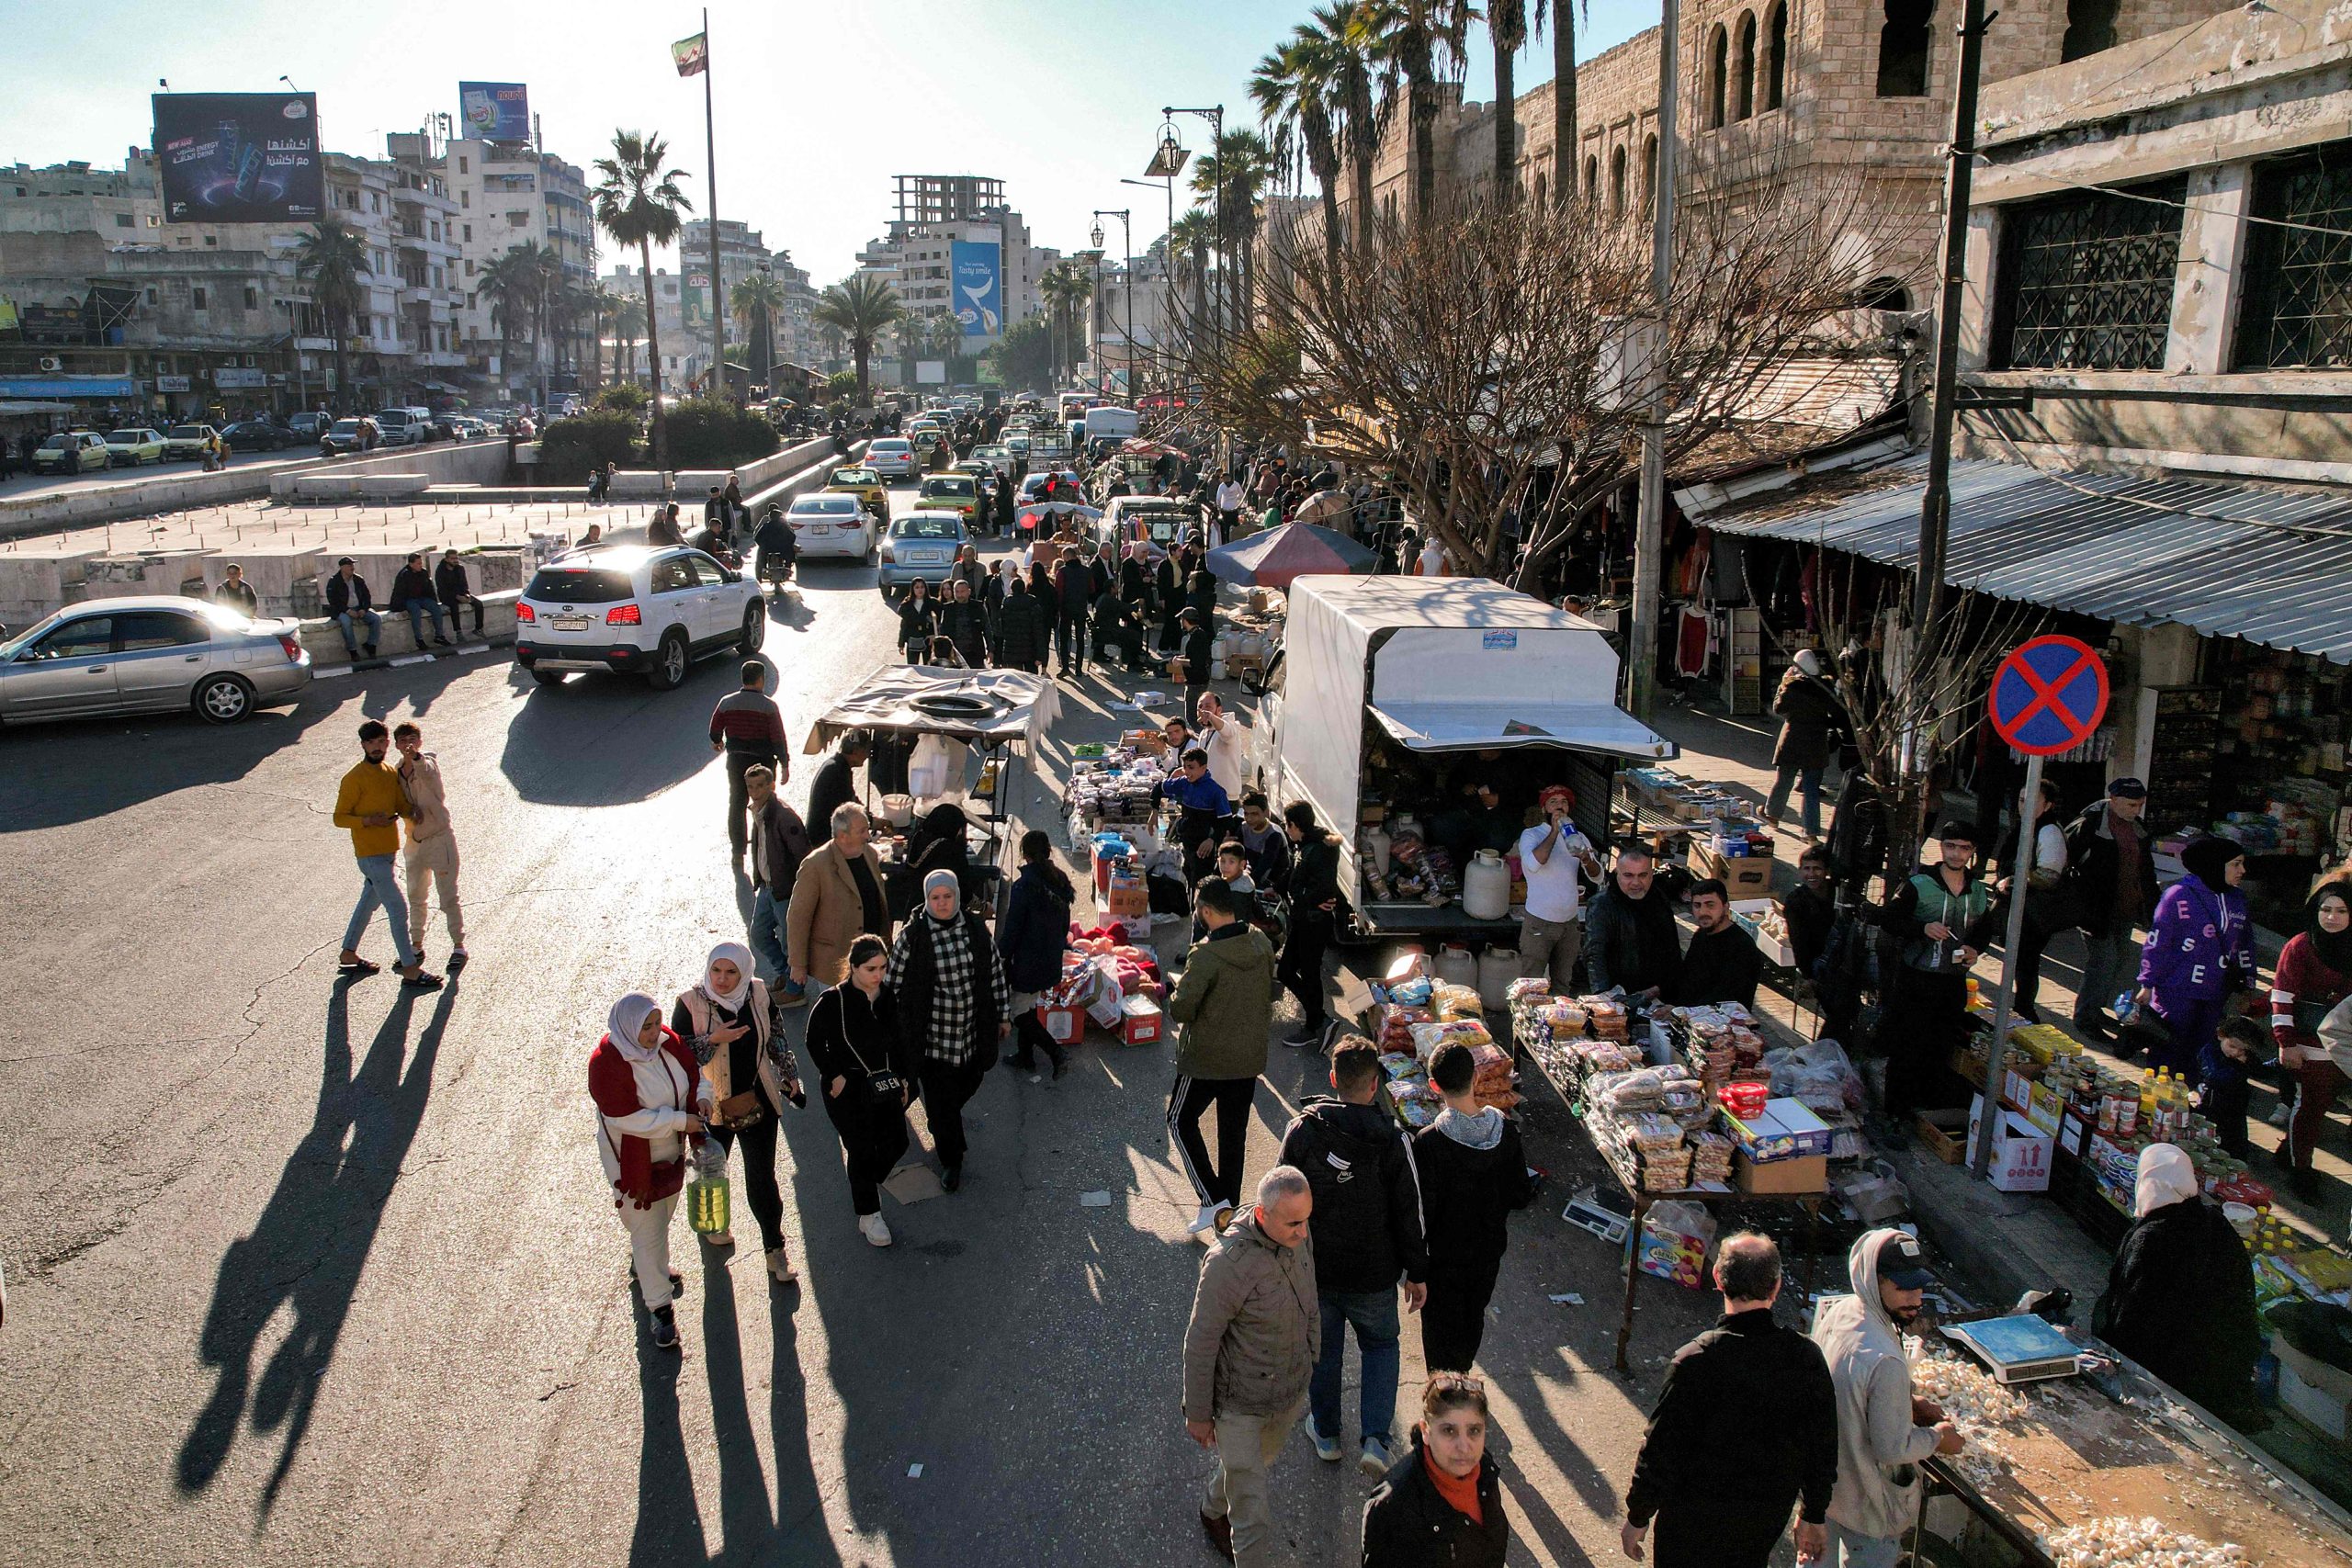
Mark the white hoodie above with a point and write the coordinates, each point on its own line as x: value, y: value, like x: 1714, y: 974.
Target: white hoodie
x: 1875, y: 1434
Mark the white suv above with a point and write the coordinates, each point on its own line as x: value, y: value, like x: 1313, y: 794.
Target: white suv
x: 630, y: 608
x: 404, y: 427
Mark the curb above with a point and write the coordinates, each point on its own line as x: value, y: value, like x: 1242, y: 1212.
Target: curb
x: 331, y: 671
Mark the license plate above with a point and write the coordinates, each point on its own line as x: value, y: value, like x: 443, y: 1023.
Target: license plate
x: 568, y: 622
x: 819, y: 530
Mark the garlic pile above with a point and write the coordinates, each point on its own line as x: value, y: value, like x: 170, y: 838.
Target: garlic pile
x: 1969, y: 1397
x: 2135, y: 1543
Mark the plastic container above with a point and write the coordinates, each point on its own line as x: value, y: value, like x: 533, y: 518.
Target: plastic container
x: 1455, y: 966
x: 898, y: 810
x: 1486, y: 886
x: 707, y: 1204
x: 1746, y: 1099
x: 1497, y: 967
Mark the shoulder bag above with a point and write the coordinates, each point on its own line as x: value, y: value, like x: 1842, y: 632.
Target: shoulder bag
x: 885, y: 1089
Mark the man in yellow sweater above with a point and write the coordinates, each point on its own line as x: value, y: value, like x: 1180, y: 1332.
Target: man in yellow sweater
x: 370, y: 804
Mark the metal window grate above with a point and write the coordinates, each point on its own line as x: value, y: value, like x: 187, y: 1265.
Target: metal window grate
x: 2092, y: 280
x: 2298, y: 309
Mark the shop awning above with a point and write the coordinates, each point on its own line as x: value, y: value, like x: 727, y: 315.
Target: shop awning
x: 2224, y: 558
x: 1478, y: 726
x: 990, y: 706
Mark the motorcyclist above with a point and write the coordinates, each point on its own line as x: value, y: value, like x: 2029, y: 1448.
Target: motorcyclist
x: 778, y: 548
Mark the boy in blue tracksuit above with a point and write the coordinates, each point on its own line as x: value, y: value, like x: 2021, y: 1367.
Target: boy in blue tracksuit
x: 1201, y: 806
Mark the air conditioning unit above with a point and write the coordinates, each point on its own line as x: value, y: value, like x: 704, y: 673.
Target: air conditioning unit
x: 249, y: 362
x: 51, y: 362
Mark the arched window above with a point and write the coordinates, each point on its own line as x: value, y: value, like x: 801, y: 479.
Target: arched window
x: 1539, y: 193
x: 1649, y: 177
x: 2090, y: 27
x: 1776, y: 56
x: 1592, y: 177
x: 1884, y: 294
x: 1903, y: 50
x: 1617, y: 183
x: 1718, y: 67
x: 1743, y: 88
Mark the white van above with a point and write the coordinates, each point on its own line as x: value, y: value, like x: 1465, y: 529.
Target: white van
x: 405, y: 426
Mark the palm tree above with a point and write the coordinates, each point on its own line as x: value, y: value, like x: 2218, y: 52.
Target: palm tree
x: 1507, y: 30
x: 1298, y: 95
x: 1357, y: 45
x: 858, y: 308
x: 638, y: 203
x: 1424, y: 38
x: 1192, y: 238
x: 1237, y: 172
x: 511, y: 282
x: 1066, y: 287
x: 553, y: 305
x: 331, y: 257
x: 601, y: 305
x: 628, y: 325
x: 1564, y: 95
x: 755, y: 300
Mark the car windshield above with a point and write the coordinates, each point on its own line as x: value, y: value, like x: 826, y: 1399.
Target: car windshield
x: 189, y: 431
x: 24, y: 638
x: 926, y: 528
x: 346, y: 427
x: 126, y: 437
x: 890, y: 445
x: 824, y: 506
x: 578, y: 585
x: 947, y: 487
x: 57, y: 443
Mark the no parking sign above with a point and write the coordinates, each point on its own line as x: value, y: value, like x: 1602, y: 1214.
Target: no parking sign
x: 2048, y: 696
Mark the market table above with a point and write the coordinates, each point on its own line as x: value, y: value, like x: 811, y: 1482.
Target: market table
x: 2115, y: 1442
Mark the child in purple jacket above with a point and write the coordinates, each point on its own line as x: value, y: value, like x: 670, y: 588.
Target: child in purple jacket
x: 2200, y: 950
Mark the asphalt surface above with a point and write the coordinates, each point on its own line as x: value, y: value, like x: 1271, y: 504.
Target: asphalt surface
x: 312, y: 1272
x: 21, y: 484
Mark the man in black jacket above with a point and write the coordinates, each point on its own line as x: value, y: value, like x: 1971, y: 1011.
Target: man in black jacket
x: 1716, y: 1478
x: 1367, y: 1232
x: 836, y: 781
x: 2111, y: 883
x: 1722, y: 963
x: 455, y: 590
x: 779, y: 843
x: 413, y: 592
x: 1629, y: 936
x: 1473, y: 1171
x: 349, y: 606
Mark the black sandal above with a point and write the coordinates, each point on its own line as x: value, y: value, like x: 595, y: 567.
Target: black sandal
x: 421, y: 981
x: 360, y: 968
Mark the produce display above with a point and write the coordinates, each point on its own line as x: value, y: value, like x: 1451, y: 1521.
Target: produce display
x: 2135, y: 1543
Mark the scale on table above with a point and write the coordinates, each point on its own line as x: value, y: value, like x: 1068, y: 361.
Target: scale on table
x: 2019, y: 1349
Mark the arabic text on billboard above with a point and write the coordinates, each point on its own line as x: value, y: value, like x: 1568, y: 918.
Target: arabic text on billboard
x: 978, y: 302
x: 240, y: 157
x: 495, y: 111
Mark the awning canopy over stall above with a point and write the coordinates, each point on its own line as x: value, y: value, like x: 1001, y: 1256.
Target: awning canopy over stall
x: 984, y: 706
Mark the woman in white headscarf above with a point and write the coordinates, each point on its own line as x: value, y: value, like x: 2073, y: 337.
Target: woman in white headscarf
x: 651, y: 1106
x: 953, y: 1008
x: 728, y: 1023
x: 2179, y: 1297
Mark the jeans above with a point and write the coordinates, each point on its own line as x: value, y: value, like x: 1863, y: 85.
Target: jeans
x: 1852, y: 1549
x: 2110, y: 965
x: 766, y: 936
x: 1374, y: 1313
x: 379, y: 887
x: 348, y: 623
x: 1781, y: 782
x: 738, y: 796
x: 1247, y: 1447
x: 417, y: 610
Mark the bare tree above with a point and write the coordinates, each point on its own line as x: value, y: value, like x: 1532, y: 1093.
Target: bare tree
x: 1490, y: 359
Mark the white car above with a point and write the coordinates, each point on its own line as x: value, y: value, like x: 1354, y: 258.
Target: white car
x: 997, y: 457
x: 630, y: 608
x: 830, y: 524
x: 893, y: 457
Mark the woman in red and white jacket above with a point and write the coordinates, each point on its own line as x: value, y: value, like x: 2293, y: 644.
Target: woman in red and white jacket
x: 651, y: 1104
x: 2314, y: 973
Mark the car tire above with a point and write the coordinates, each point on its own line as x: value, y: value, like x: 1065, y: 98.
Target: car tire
x: 547, y: 677
x: 755, y: 627
x: 670, y: 661
x: 223, y: 699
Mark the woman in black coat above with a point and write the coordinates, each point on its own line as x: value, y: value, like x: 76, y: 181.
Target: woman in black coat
x: 854, y: 1040
x: 1168, y: 592
x: 918, y: 622
x: 953, y: 1005
x: 1200, y: 593
x: 1031, y: 939
x: 1417, y: 1519
x: 2180, y: 1296
x: 1042, y: 589
x: 1021, y: 629
x: 1135, y: 584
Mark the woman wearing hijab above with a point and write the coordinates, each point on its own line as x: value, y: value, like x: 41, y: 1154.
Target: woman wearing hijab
x: 651, y: 1106
x: 1167, y: 593
x: 728, y: 1024
x: 2200, y: 951
x: 1048, y: 598
x: 1032, y: 938
x: 1135, y: 580
x: 2315, y: 974
x: 866, y: 1076
x: 954, y: 1005
x: 992, y: 599
x: 918, y: 622
x: 2179, y: 1297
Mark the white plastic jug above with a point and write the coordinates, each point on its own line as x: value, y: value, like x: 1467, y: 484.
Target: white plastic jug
x: 1486, y: 886
x: 1455, y: 966
x: 935, y: 767
x: 1377, y: 842
x: 1497, y: 967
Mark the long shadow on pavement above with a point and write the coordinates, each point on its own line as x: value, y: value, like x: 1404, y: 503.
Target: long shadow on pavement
x: 559, y: 750
x: 311, y: 1242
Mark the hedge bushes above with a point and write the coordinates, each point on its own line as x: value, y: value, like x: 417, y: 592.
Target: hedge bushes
x: 706, y: 432
x: 569, y: 448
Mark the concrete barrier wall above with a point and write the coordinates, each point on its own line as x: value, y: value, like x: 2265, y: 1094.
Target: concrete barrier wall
x: 474, y: 462
x: 693, y: 484
x: 106, y: 502
x: 324, y: 639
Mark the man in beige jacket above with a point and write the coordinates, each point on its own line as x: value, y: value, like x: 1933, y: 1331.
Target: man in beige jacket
x: 432, y: 846
x: 1249, y: 1350
x: 836, y: 896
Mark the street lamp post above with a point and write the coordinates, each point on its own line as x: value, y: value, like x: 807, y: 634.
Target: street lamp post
x: 1127, y: 282
x: 1093, y: 259
x: 1216, y: 116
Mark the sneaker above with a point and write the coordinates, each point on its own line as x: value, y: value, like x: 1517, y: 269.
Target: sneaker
x: 1326, y: 1449
x: 1307, y: 1037
x: 780, y: 1267
x: 665, y: 1330
x: 1203, y: 1221
x: 2282, y: 1117
x: 1375, y: 1460
x: 871, y: 1227
x: 791, y: 995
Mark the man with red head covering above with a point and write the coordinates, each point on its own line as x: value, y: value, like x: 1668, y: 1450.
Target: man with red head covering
x: 1551, y: 855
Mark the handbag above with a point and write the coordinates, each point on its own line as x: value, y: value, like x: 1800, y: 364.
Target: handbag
x: 882, y: 1089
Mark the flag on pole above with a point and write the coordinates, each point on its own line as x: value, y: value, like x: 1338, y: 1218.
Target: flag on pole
x: 693, y: 54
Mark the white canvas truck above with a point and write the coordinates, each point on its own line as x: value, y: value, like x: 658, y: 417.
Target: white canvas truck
x: 1383, y: 680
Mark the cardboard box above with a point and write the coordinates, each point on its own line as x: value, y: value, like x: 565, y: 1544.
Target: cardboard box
x: 1806, y: 1173
x: 1784, y: 1130
x: 2022, y: 1152
x: 1745, y: 877
x: 1943, y: 1133
x: 1127, y: 896
x: 1065, y: 1024
x: 1139, y: 1020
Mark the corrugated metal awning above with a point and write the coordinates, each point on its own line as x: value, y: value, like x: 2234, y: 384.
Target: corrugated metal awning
x: 2228, y: 559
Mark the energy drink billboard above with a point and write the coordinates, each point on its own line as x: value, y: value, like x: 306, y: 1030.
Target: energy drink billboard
x: 495, y: 111
x: 240, y: 157
x: 979, y: 301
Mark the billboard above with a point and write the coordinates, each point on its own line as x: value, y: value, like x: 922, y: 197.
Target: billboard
x: 978, y: 300
x: 495, y: 111
x: 240, y: 157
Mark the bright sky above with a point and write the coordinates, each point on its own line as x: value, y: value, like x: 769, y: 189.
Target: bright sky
x: 819, y: 104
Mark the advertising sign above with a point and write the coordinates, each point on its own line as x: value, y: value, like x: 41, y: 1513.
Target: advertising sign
x: 694, y: 297
x: 171, y: 384
x: 495, y: 111
x: 229, y: 378
x: 240, y: 157
x: 979, y: 303
x: 931, y: 372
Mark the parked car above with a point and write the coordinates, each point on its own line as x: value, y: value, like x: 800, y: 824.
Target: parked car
x: 347, y: 435
x: 831, y: 524
x: 631, y: 609
x: 893, y: 457
x: 865, y: 484
x: 404, y: 427
x: 309, y: 426
x: 70, y: 452
x: 134, y: 444
x: 150, y: 654
x: 922, y: 543
x: 186, y: 443
x: 259, y: 435
x: 960, y: 493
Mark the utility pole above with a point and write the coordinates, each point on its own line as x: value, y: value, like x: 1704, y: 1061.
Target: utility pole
x: 1934, y: 503
x: 1127, y: 279
x: 1649, y: 533
x: 718, y: 279
x: 1216, y: 116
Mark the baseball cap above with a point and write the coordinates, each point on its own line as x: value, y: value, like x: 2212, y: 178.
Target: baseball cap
x: 345, y: 561
x: 1902, y: 1264
x: 2127, y: 789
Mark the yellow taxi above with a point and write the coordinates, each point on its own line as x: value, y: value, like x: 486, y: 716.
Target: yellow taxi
x: 865, y: 484
x: 958, y: 493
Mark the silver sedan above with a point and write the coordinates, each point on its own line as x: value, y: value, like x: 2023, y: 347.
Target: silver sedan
x: 151, y: 654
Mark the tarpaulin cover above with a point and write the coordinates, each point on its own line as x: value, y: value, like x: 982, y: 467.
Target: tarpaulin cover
x: 1277, y: 556
x: 1478, y: 726
x: 1021, y: 707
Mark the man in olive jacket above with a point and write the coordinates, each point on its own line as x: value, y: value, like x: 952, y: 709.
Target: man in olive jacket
x: 1248, y: 1347
x: 1225, y: 1007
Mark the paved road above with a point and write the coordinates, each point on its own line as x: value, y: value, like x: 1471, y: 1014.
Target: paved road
x: 308, y: 1273
x: 19, y: 485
